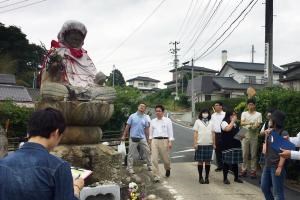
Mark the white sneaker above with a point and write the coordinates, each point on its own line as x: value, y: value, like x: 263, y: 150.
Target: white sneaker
x: 156, y: 179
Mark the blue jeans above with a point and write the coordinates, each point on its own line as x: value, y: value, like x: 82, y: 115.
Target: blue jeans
x: 272, y: 186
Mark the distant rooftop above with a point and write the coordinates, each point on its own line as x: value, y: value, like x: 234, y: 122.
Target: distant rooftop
x: 8, y: 79
x: 15, y: 93
x: 248, y: 66
x: 196, y: 68
x: 142, y: 78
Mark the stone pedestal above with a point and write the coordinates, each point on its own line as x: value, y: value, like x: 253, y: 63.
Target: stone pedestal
x: 83, y: 119
x: 103, y: 160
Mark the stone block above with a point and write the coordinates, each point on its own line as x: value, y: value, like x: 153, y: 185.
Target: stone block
x: 81, y: 135
x: 109, y: 192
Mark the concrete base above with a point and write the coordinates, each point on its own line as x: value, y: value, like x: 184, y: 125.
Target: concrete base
x: 100, y: 192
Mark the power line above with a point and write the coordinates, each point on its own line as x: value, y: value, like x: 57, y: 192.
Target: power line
x: 12, y: 4
x: 134, y: 31
x: 204, y: 54
x: 223, y: 23
x: 206, y: 24
x: 185, y: 17
x: 5, y: 11
x: 199, y: 19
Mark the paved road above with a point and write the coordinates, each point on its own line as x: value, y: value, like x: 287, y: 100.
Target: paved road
x: 184, y: 177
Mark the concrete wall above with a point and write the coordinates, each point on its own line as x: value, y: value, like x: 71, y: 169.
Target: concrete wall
x: 294, y: 85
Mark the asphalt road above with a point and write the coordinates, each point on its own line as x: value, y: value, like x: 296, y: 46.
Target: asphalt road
x: 183, y: 152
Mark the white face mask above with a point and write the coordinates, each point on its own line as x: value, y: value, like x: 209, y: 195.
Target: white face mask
x: 205, y: 115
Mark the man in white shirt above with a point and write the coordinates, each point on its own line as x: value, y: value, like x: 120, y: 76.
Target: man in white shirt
x: 161, y: 137
x: 295, y: 155
x: 216, y: 118
x: 251, y: 120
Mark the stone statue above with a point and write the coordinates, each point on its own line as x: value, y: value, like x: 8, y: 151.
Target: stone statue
x: 69, y: 73
x: 69, y: 83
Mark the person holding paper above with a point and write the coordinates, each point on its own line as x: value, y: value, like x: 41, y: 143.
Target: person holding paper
x: 250, y: 120
x: 295, y: 155
x: 273, y: 174
x: 231, y: 147
x: 31, y: 172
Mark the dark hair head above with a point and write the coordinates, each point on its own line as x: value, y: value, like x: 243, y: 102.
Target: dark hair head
x: 270, y: 110
x: 218, y: 102
x: 161, y: 107
x: 205, y: 110
x: 227, y: 115
x: 251, y: 101
x: 44, y: 122
x: 278, y: 118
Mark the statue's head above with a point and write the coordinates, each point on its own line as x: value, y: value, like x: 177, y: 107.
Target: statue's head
x: 72, y: 34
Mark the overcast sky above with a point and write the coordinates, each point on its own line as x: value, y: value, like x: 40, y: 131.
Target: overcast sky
x: 117, y: 34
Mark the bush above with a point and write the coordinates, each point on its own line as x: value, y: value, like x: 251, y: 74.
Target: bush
x: 125, y: 104
x: 17, y: 115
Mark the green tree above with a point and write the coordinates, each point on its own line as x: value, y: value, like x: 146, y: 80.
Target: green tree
x: 17, y: 55
x: 117, y: 77
x: 125, y: 104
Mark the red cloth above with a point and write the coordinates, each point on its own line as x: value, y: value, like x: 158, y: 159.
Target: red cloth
x: 77, y: 53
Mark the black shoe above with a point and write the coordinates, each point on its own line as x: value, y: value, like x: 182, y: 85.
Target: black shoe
x: 168, y: 172
x: 238, y: 180
x: 226, y: 181
x: 206, y: 181
x: 201, y: 181
x: 218, y: 169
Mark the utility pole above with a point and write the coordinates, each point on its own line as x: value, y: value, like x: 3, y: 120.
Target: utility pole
x: 174, y: 51
x: 269, y: 42
x: 193, y: 97
x: 113, y: 73
x: 252, y: 53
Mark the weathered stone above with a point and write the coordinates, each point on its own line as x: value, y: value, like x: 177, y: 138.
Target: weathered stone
x: 104, y: 161
x: 82, y: 135
x: 3, y: 143
x: 92, y: 113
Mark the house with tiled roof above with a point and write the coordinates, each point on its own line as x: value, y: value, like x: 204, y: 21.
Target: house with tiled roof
x: 186, y: 71
x: 143, y: 83
x: 248, y: 72
x: 10, y: 91
x: 290, y: 78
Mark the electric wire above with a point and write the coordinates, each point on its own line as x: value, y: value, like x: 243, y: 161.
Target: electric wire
x: 27, y: 5
x: 133, y: 32
x: 204, y: 54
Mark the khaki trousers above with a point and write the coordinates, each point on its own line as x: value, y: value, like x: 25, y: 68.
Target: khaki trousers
x: 160, y: 147
x: 249, y: 146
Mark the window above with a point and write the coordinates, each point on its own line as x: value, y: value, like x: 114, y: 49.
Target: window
x: 207, y: 97
x: 250, y: 79
x: 141, y: 84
